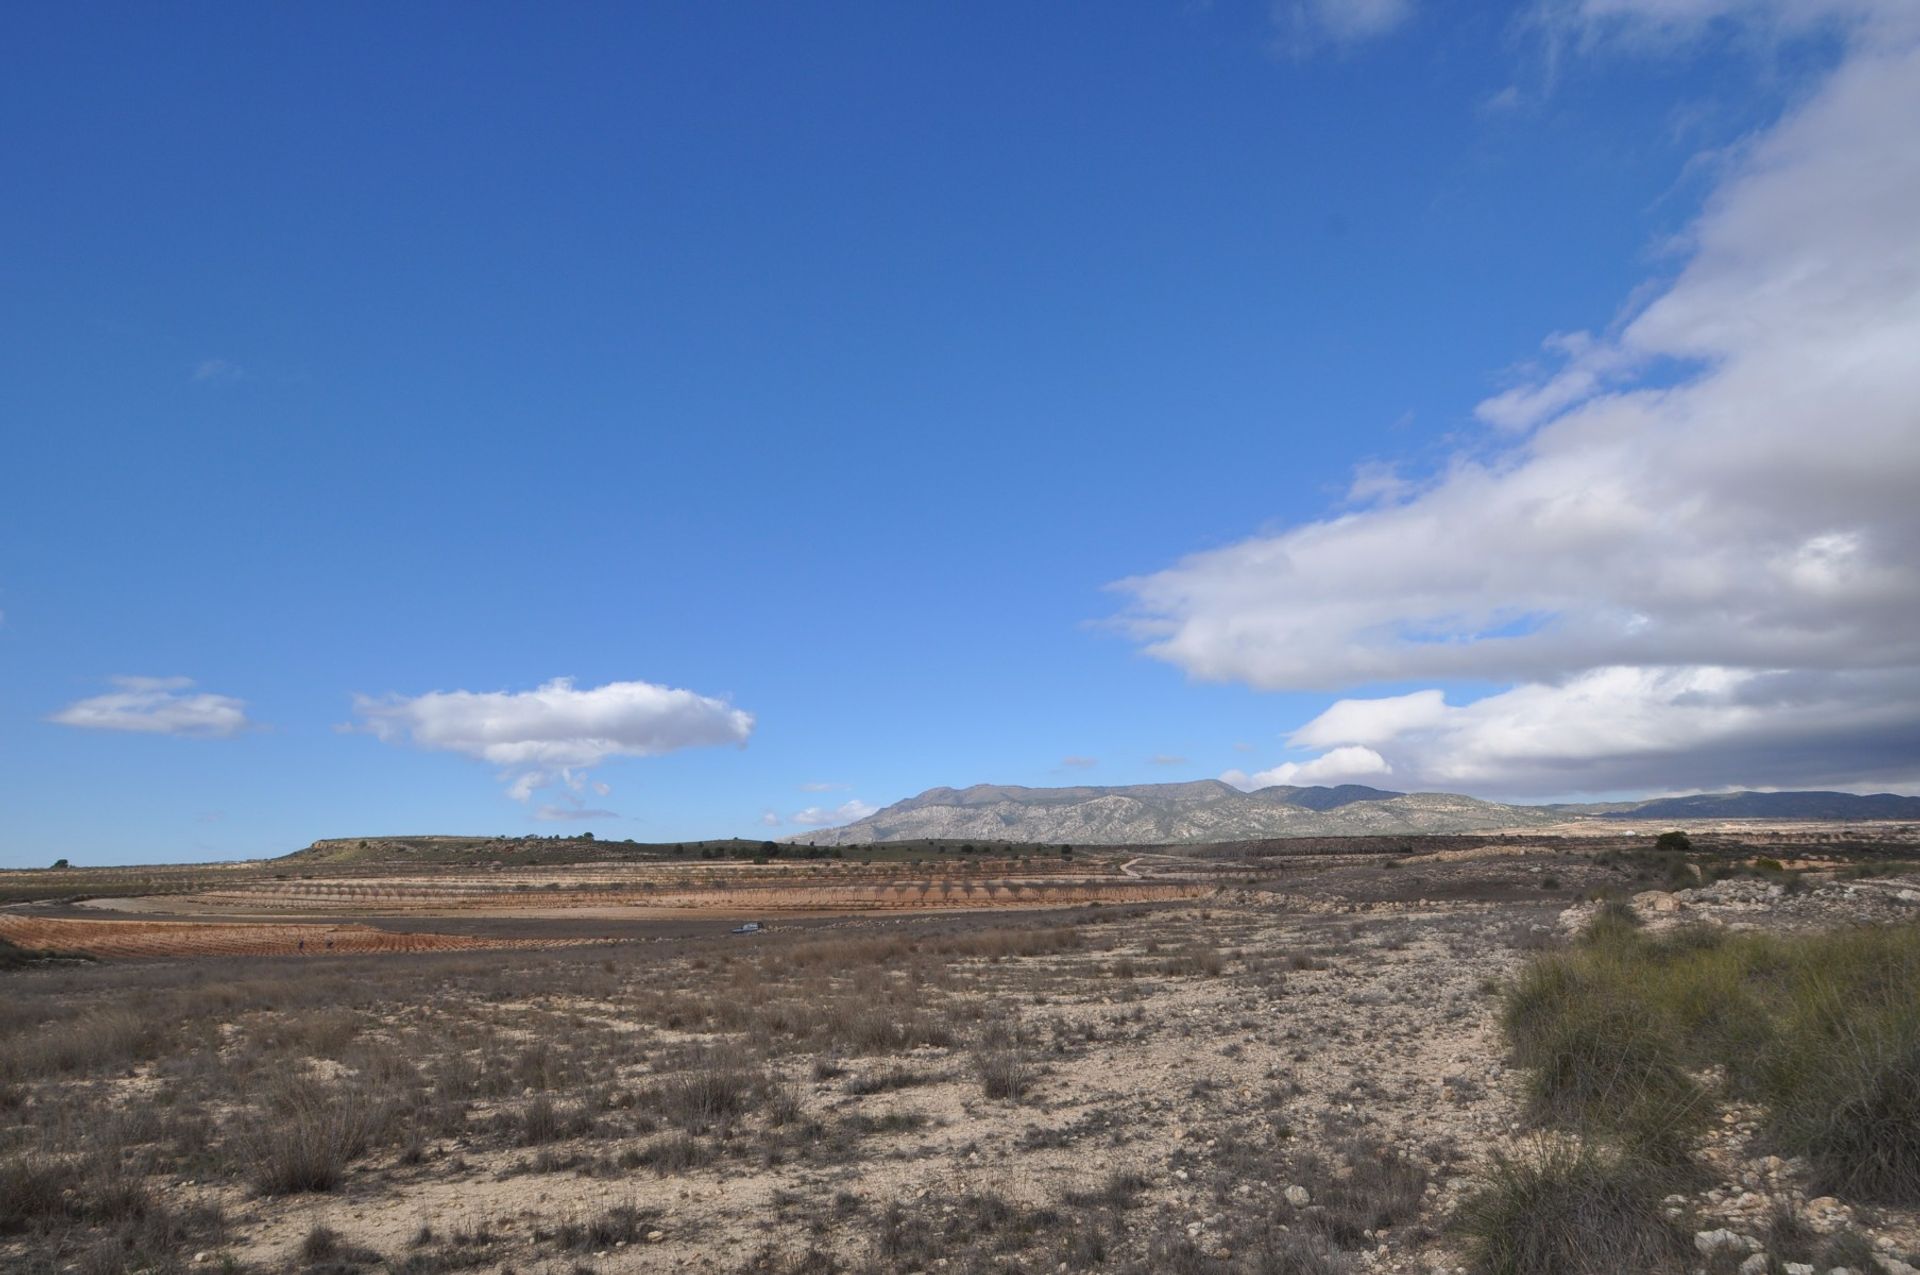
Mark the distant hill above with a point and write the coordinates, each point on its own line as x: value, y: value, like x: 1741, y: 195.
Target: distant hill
x: 1145, y: 814
x: 1209, y: 810
x: 337, y: 852
x: 1770, y: 805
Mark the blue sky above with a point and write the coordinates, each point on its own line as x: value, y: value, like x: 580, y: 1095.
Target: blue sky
x: 834, y: 365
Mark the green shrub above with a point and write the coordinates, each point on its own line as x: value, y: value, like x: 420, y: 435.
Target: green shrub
x: 1570, y: 1209
x: 1822, y: 1030
x: 1602, y: 1059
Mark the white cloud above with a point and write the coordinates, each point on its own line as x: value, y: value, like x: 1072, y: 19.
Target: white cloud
x: 1167, y: 759
x: 158, y: 706
x: 1377, y: 482
x: 573, y: 814
x: 1340, y: 21
x: 819, y: 817
x: 770, y: 819
x: 1708, y: 512
x: 819, y: 786
x: 1351, y: 764
x: 1678, y: 729
x: 217, y: 370
x: 1079, y: 763
x: 1370, y: 721
x: 546, y: 735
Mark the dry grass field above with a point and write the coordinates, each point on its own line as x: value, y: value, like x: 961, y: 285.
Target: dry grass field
x: 1260, y: 1064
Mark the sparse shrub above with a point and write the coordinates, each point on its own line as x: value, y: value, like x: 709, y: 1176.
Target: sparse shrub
x: 543, y: 1121
x: 1005, y: 1074
x: 310, y: 1135
x: 33, y: 1192
x: 1570, y: 1209
x: 1675, y: 840
x: 1375, y: 1186
x: 1615, y: 919
x: 621, y: 1224
x: 326, y: 1247
x: 895, y: 1077
x: 1119, y: 1190
x: 713, y: 1092
x: 91, y: 1043
x: 1281, y: 1252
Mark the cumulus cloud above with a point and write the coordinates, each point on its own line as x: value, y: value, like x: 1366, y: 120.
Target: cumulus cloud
x: 820, y: 817
x: 1346, y: 765
x: 1702, y: 522
x: 158, y: 706
x: 1667, y: 729
x: 549, y: 734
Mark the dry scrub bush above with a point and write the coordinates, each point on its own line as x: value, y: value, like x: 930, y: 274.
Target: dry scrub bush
x: 1373, y: 1187
x: 1570, y: 1209
x: 310, y: 1134
x: 621, y: 1224
x: 1005, y: 1074
x: 96, y: 1041
x: 714, y: 1092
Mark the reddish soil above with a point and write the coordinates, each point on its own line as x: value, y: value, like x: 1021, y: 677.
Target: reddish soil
x: 149, y: 939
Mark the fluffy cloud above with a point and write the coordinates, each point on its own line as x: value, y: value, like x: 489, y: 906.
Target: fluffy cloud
x: 1618, y: 729
x: 548, y: 734
x: 1346, y: 765
x: 820, y: 817
x: 158, y: 706
x: 1699, y: 532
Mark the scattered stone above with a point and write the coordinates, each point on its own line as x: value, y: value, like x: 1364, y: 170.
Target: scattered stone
x: 1711, y: 1242
x: 1299, y: 1196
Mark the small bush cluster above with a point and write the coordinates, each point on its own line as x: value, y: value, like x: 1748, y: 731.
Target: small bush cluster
x: 1568, y: 1208
x: 309, y: 1134
x: 1823, y: 1031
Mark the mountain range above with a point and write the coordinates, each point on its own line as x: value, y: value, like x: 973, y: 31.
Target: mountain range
x: 1211, y: 810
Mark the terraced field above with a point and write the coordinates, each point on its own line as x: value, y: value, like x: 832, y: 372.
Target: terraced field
x: 136, y: 940
x: 270, y: 911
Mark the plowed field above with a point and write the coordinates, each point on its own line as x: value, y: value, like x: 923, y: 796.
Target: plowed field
x: 151, y: 939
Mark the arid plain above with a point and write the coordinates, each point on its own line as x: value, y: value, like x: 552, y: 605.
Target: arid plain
x: 1360, y: 1054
